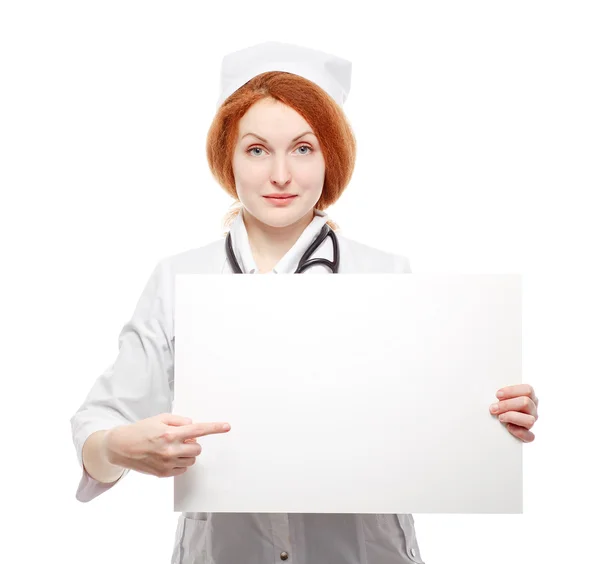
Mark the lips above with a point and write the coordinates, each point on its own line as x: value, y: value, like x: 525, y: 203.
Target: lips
x: 281, y: 200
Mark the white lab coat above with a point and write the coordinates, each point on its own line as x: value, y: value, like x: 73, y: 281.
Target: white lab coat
x: 140, y: 384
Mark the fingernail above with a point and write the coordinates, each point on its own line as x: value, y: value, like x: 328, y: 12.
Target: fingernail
x: 495, y: 407
x: 225, y: 427
x: 500, y: 394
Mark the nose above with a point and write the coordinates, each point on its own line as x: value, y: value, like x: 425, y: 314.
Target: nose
x: 280, y: 175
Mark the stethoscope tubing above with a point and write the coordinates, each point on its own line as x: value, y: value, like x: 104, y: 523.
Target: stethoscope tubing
x: 305, y: 262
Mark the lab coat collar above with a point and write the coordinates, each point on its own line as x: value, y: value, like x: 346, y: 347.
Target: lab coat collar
x: 289, y: 262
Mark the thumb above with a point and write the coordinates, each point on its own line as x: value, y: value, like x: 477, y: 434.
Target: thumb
x: 172, y: 419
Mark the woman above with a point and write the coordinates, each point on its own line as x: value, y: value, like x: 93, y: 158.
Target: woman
x: 281, y: 146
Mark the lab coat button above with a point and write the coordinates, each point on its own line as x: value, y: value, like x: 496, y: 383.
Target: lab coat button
x: 412, y: 551
x: 283, y: 556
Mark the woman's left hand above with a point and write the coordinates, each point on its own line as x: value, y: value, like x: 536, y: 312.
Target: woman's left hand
x: 518, y: 409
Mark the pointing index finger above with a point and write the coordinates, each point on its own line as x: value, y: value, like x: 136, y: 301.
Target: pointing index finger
x: 200, y: 429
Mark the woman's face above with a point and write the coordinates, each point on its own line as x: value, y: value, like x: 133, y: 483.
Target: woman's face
x: 287, y: 160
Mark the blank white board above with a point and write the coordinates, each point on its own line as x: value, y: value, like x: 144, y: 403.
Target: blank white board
x: 355, y: 393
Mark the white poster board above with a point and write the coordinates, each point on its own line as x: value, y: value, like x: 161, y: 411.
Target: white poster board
x: 355, y: 393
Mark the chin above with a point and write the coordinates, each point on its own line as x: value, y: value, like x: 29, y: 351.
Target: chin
x: 279, y: 217
x: 282, y: 218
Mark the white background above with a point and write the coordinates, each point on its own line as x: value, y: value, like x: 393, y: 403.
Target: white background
x: 477, y: 127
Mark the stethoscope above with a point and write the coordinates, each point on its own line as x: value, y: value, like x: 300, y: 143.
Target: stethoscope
x: 305, y: 262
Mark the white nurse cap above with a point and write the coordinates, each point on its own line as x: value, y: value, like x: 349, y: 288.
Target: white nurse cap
x: 329, y: 72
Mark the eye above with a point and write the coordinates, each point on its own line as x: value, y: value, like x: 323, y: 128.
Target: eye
x: 252, y: 149
x: 305, y: 147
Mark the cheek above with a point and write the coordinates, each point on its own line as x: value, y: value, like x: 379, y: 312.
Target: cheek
x: 248, y: 173
x: 311, y: 176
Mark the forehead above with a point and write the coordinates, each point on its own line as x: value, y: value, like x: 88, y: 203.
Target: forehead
x: 268, y: 116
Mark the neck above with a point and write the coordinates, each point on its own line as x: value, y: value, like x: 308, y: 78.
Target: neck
x: 269, y: 244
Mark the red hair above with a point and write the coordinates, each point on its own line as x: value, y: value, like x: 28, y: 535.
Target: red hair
x: 319, y: 109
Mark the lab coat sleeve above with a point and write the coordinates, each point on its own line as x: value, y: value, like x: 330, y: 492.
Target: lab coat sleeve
x: 402, y: 265
x: 139, y: 382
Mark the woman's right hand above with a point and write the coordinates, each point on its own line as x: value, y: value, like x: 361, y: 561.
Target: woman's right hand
x: 164, y: 445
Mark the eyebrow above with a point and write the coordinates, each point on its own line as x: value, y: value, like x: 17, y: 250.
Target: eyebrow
x: 265, y: 141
